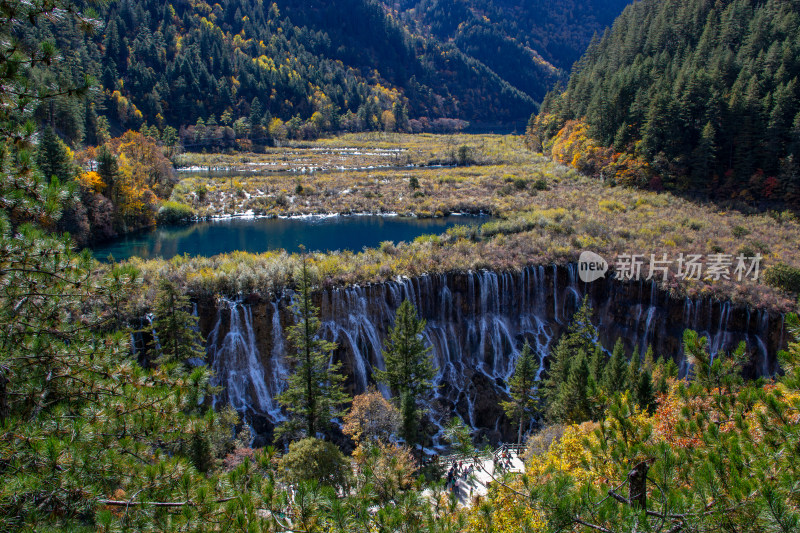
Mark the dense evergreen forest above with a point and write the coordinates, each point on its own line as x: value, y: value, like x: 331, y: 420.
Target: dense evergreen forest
x: 507, y: 33
x: 253, y: 70
x: 693, y: 96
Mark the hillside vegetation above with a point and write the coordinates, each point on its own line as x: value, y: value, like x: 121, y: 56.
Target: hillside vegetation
x: 558, y: 32
x: 693, y: 96
x: 99, y: 435
x: 257, y: 71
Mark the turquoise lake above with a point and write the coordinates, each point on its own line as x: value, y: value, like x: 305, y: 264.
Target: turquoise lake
x: 324, y: 234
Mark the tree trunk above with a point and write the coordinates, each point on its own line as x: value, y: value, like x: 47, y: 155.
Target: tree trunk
x: 637, y: 485
x: 3, y: 396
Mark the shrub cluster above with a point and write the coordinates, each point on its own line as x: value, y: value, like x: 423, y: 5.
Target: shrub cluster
x: 172, y: 212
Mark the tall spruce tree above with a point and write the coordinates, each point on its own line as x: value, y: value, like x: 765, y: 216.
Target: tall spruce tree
x: 649, y: 362
x: 574, y: 395
x: 580, y: 337
x: 597, y: 364
x: 634, y: 370
x: 644, y: 392
x: 615, y: 378
x: 108, y: 169
x: 524, y: 403
x: 596, y: 393
x: 660, y: 375
x: 176, y: 331
x: 52, y: 157
x: 313, y: 394
x: 400, y: 113
x: 409, y: 369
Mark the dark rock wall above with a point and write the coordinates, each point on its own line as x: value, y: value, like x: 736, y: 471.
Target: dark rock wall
x: 476, y: 325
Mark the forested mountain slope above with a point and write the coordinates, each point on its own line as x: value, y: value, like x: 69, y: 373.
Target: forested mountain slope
x: 557, y: 32
x: 317, y: 66
x: 692, y: 95
x: 438, y: 78
x: 172, y: 64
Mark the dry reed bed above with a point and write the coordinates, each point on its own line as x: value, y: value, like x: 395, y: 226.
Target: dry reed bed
x: 547, y: 214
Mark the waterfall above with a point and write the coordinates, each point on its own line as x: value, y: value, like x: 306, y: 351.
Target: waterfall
x: 475, y: 332
x: 145, y: 346
x: 150, y: 318
x: 718, y: 339
x: 349, y: 324
x: 476, y: 325
x: 278, y: 359
x: 555, y: 294
x: 688, y: 322
x: 782, y: 340
x: 237, y: 363
x: 573, y: 292
x: 763, y: 331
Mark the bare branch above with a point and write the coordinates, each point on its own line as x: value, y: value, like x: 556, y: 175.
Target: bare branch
x: 592, y: 526
x: 126, y: 503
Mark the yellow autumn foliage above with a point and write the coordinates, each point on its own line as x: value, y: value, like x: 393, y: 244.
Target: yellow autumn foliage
x: 506, y: 510
x: 567, y: 455
x: 91, y: 181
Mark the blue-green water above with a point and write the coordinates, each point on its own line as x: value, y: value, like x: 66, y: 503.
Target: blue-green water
x: 263, y: 234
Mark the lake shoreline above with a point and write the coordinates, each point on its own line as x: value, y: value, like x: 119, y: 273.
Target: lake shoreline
x: 251, y: 233
x: 304, y: 216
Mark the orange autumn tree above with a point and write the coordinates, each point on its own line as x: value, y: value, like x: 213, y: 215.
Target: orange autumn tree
x: 371, y: 417
x: 152, y: 167
x: 383, y: 467
x: 573, y: 145
x: 133, y: 173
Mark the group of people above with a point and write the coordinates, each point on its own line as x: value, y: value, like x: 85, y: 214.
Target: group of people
x: 461, y: 470
x: 503, y: 461
x: 457, y: 472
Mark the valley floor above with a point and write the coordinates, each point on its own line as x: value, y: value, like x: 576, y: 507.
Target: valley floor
x: 547, y: 214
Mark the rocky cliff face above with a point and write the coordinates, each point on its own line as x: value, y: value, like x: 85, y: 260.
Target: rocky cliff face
x: 477, y: 323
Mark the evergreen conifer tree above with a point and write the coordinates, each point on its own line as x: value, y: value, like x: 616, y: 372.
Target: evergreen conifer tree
x: 524, y: 403
x: 574, y: 393
x: 581, y: 336
x: 52, y: 157
x: 409, y: 369
x: 644, y: 392
x: 649, y: 359
x: 660, y: 376
x: 400, y: 116
x: 615, y: 377
x: 256, y: 112
x: 596, y: 365
x: 108, y: 169
x: 175, y: 326
x: 313, y: 394
x: 634, y: 370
